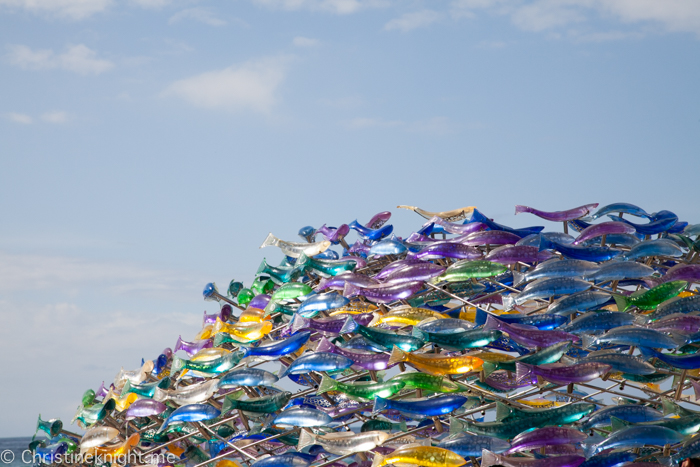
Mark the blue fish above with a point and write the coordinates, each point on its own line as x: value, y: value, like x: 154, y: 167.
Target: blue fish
x: 388, y: 246
x: 625, y: 208
x: 593, y: 253
x: 300, y: 415
x: 658, y: 247
x: 628, y: 413
x: 477, y: 216
x: 683, y: 362
x: 599, y: 321
x: 441, y: 405
x: 315, y: 304
x: 280, y: 348
x: 659, y: 222
x: 620, y: 270
x: 541, y: 321
x: 469, y: 445
x: 191, y: 413
x: 371, y: 234
x: 580, y: 301
x: 316, y: 361
x: 247, y: 377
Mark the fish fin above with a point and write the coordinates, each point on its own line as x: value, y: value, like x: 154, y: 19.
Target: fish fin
x: 262, y: 267
x: 380, y: 404
x: 678, y: 338
x: 621, y: 301
x: 489, y: 368
x: 521, y: 209
x: 480, y: 317
x: 456, y: 425
x: 322, y: 284
x: 160, y: 395
x: 178, y: 344
x: 488, y: 458
x: 305, y: 439
x: 270, y: 240
x: 348, y: 326
x: 641, y: 319
x: 518, y: 278
x: 403, y: 427
x: 587, y: 341
x: 327, y: 384
x: 228, y: 405
x: 377, y: 460
x: 653, y: 387
x: 397, y: 356
x: 502, y: 411
x: 415, y: 332
x: 508, y: 302
x: 324, y: 345
x: 177, y: 364
x: 284, y: 371
x: 491, y: 323
x: 299, y: 322
x: 350, y: 290
x: 696, y: 388
x: 618, y: 424
x: 522, y: 371
x: 127, y: 387
x: 647, y: 352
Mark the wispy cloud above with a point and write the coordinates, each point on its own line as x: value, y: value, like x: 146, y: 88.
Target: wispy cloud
x: 340, y: 7
x: 250, y: 86
x: 434, y: 126
x: 413, y: 20
x: 24, y: 119
x: 55, y: 116
x: 77, y: 59
x: 70, y: 9
x: 546, y: 15
x: 202, y: 15
x: 301, y: 41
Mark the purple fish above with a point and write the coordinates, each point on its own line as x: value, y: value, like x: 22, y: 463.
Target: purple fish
x: 359, y: 248
x: 259, y: 301
x: 489, y: 237
x: 415, y: 272
x: 448, y: 250
x: 333, y: 234
x: 103, y: 391
x: 415, y: 237
x: 559, y: 216
x: 547, y: 436
x: 677, y: 322
x: 384, y: 293
x: 680, y: 272
x: 224, y: 315
x: 365, y: 360
x: 338, y: 282
x: 559, y: 374
x: 506, y: 381
x: 339, y: 324
x: 605, y: 228
x: 511, y: 254
x: 191, y: 348
x: 144, y: 408
x: 394, y: 265
x: 529, y: 336
x: 378, y: 220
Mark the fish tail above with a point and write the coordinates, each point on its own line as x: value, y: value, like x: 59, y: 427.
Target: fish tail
x: 508, y: 302
x: 324, y: 345
x: 327, y: 384
x: 617, y: 424
x: 127, y: 387
x: 488, y: 458
x: 521, y: 209
x: 622, y: 302
x: 177, y: 364
x: 305, y: 439
x: 219, y: 339
x: 350, y: 290
x: 299, y: 322
x: 302, y: 260
x: 262, y: 267
x: 270, y: 240
x: 397, y: 356
x: 284, y: 371
x: 229, y: 405
x: 380, y: 404
x: 518, y: 278
x: 647, y: 352
x: 696, y: 389
x: 322, y: 284
x: 491, y: 323
x: 178, y: 344
x: 502, y: 411
x: 489, y: 368
x: 456, y: 425
x: 354, y: 224
x: 378, y: 459
x: 522, y: 371
x: 348, y: 326
x: 415, y: 332
x: 403, y: 427
x: 587, y: 341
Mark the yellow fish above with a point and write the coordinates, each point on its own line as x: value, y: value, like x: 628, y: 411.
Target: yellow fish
x: 451, y: 216
x: 540, y: 403
x: 492, y: 357
x: 203, y: 356
x: 113, y: 452
x: 121, y: 402
x: 252, y: 315
x: 426, y: 456
x: 355, y: 308
x: 205, y: 333
x: 226, y: 463
x: 469, y: 313
x: 243, y: 331
x: 408, y: 316
x: 436, y: 364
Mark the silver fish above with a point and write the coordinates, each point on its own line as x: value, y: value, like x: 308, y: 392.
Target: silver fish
x: 294, y: 249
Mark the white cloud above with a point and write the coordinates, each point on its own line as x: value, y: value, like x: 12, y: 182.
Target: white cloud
x: 55, y: 116
x: 151, y: 3
x: 340, y: 7
x: 300, y: 41
x: 250, y: 86
x: 202, y: 15
x: 541, y: 15
x: 413, y: 20
x: 77, y: 58
x: 20, y: 118
x: 70, y: 9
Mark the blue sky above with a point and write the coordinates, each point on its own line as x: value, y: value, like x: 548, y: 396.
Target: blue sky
x: 149, y: 146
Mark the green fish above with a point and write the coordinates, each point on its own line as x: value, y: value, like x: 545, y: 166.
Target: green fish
x: 325, y: 268
x: 279, y: 274
x: 213, y: 367
x: 264, y: 404
x: 388, y: 339
x: 428, y: 382
x: 646, y: 379
x: 262, y: 285
x: 88, y: 398
x: 469, y: 339
x: 548, y: 355
x: 652, y: 297
x: 146, y: 389
x: 556, y: 416
x: 245, y: 296
x: 465, y: 270
x: 94, y: 413
x: 382, y: 425
x: 439, y: 297
x: 363, y: 390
